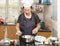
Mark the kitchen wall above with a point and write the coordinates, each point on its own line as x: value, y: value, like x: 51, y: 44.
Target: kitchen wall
x: 50, y: 14
x: 58, y: 23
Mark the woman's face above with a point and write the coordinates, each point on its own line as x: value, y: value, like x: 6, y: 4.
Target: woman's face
x: 27, y: 9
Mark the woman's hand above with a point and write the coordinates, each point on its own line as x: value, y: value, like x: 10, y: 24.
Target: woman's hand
x: 35, y: 30
x: 19, y: 33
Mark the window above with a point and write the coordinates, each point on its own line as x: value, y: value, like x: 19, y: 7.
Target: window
x: 12, y: 10
x: 2, y: 8
x: 9, y: 10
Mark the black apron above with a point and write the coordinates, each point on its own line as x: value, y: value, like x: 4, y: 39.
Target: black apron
x: 27, y: 25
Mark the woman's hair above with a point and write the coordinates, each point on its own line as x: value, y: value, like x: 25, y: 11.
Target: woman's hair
x: 30, y: 7
x: 31, y: 10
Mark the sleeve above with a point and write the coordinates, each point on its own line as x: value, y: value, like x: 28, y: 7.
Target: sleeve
x: 37, y: 20
x: 19, y: 19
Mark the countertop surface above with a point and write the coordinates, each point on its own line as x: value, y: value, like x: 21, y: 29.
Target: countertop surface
x: 32, y: 45
x: 37, y: 45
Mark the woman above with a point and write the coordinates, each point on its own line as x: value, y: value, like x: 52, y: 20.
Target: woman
x: 28, y: 23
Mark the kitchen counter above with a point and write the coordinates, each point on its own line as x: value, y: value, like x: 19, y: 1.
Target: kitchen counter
x: 33, y: 45
x: 30, y: 44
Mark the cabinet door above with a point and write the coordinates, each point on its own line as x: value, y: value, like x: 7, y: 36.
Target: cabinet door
x: 45, y: 34
x: 46, y: 1
x: 2, y: 32
x: 12, y: 32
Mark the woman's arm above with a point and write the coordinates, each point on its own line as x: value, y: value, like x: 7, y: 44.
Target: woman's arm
x: 38, y: 26
x: 37, y: 21
x: 18, y: 29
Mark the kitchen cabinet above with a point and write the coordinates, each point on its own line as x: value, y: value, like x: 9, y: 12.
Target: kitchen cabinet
x: 11, y: 32
x: 11, y: 29
x: 45, y: 2
x: 1, y: 32
x: 44, y: 33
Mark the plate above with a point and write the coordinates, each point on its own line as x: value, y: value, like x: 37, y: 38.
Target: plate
x: 40, y: 38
